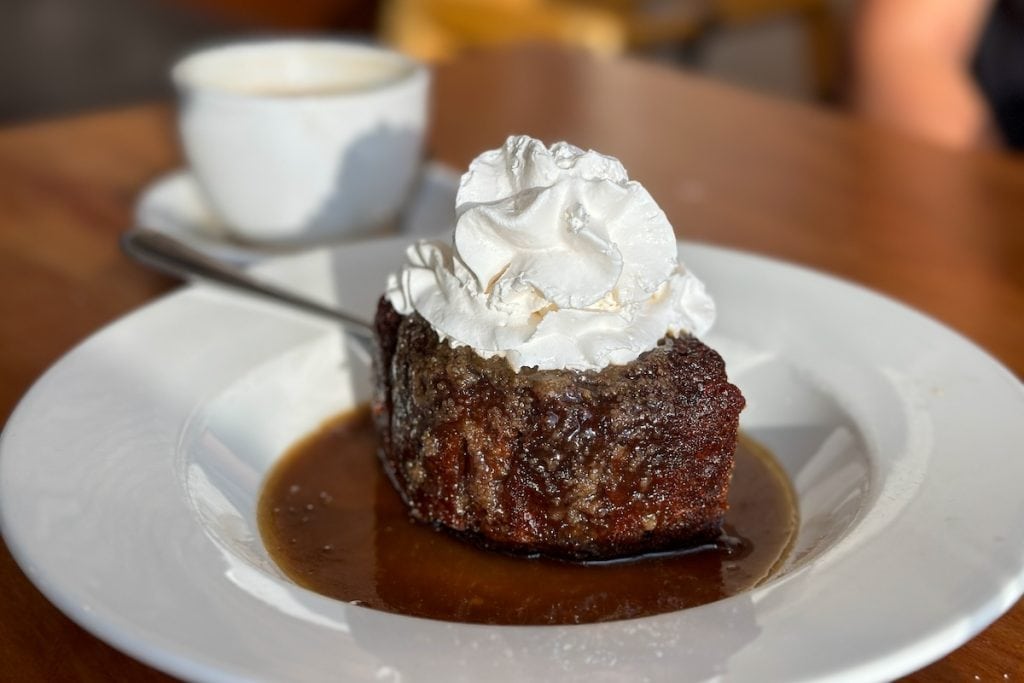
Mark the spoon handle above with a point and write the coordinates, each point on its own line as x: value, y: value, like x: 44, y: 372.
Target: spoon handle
x: 174, y: 257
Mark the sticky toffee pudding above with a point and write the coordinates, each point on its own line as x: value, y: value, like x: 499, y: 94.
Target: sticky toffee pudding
x: 542, y: 396
x: 582, y: 465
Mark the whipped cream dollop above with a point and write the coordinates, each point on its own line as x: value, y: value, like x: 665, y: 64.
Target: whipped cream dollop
x: 558, y: 260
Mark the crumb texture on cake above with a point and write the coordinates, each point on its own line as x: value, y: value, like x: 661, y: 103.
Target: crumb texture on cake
x: 581, y: 465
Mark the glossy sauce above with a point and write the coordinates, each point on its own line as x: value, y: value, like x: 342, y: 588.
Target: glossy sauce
x: 332, y: 522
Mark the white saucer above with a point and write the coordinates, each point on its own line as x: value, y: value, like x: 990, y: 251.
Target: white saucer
x: 129, y: 476
x: 174, y: 204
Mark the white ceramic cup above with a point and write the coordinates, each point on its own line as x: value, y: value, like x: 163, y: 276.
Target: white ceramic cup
x: 302, y: 141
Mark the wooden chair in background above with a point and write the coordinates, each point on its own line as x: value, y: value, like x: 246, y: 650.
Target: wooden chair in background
x: 438, y: 29
x: 818, y: 23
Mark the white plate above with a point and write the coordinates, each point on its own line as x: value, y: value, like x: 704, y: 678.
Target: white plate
x: 174, y: 204
x: 129, y: 476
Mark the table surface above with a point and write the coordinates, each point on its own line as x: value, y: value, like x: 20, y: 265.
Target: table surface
x: 938, y: 230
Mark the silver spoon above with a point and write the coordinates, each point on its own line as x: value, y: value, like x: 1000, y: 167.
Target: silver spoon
x: 171, y: 256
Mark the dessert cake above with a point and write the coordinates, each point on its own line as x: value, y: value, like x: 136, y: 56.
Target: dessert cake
x: 540, y: 384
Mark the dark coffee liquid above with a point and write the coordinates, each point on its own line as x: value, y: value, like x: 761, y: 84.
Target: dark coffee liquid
x: 333, y: 523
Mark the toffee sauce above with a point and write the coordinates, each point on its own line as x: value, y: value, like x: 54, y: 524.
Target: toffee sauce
x: 333, y: 523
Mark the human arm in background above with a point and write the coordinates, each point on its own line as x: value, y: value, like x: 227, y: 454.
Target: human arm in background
x: 912, y: 62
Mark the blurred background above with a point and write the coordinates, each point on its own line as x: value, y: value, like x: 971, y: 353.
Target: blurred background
x: 65, y: 56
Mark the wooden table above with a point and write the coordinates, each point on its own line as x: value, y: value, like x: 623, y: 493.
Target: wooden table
x: 940, y: 231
